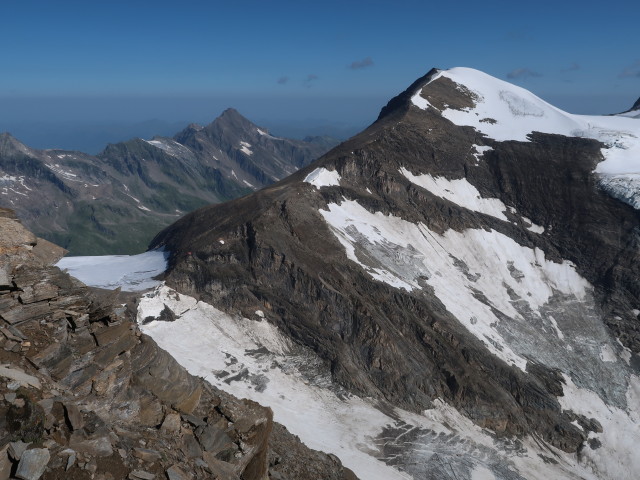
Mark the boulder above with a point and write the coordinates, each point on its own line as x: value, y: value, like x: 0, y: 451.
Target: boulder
x: 32, y: 464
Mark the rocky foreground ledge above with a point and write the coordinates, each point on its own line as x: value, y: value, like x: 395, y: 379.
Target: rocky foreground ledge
x: 85, y: 395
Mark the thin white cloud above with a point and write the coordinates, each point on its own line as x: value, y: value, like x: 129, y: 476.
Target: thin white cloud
x: 521, y: 73
x: 359, y: 64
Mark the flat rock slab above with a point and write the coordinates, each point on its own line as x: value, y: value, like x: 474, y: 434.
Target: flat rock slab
x: 5, y: 278
x: 175, y: 473
x: 73, y: 416
x: 16, y: 449
x: 20, y: 313
x: 15, y: 235
x: 100, y: 446
x: 191, y: 448
x: 219, y: 468
x: 147, y: 455
x: 32, y: 464
x: 213, y: 439
x: 19, y: 376
x: 141, y: 475
x: 48, y: 253
x: 112, y: 333
x: 171, y: 423
x: 6, y: 465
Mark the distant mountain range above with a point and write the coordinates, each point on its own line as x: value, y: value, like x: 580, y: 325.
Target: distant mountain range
x: 116, y: 201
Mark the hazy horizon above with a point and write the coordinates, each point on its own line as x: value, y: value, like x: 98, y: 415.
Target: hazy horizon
x: 90, y: 123
x: 71, y: 65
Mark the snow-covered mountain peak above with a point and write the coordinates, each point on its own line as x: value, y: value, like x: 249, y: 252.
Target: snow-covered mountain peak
x: 500, y: 110
x: 505, y: 112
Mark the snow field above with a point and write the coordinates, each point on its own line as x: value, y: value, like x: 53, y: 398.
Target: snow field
x: 131, y: 272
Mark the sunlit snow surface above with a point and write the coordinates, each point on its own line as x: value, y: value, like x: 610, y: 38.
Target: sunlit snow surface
x: 250, y: 358
x: 132, y: 273
x: 321, y: 177
x: 460, y: 192
x: 170, y: 146
x: 504, y: 111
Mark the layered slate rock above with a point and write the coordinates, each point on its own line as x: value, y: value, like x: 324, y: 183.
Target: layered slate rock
x: 425, y: 261
x: 114, y: 202
x: 86, y: 395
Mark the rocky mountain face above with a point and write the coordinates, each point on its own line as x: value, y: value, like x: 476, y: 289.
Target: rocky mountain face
x: 462, y: 276
x: 84, y: 394
x: 117, y: 201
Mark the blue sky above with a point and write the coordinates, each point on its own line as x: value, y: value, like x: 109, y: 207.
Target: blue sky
x: 70, y: 61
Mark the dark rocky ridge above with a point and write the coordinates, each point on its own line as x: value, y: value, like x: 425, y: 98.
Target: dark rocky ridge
x: 404, y: 347
x: 88, y: 396
x: 635, y: 107
x: 116, y: 201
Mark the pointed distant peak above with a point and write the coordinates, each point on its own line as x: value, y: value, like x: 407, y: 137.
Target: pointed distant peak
x: 232, y: 117
x: 6, y: 137
x: 230, y: 112
x: 636, y: 106
x: 10, y: 143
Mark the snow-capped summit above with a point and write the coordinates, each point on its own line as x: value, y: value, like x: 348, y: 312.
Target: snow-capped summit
x: 503, y: 111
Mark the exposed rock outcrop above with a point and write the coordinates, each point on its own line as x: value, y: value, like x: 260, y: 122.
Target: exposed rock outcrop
x: 86, y: 395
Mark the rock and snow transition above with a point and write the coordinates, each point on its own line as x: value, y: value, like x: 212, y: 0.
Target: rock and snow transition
x: 250, y: 358
x: 521, y: 305
x: 503, y: 111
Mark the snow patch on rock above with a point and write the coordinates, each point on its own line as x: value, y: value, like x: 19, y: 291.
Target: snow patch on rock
x: 617, y: 454
x: 246, y: 148
x: 458, y: 191
x: 321, y: 177
x: 480, y: 150
x: 171, y: 147
x: 520, y: 305
x: 624, y: 187
x: 533, y: 227
x: 475, y: 271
